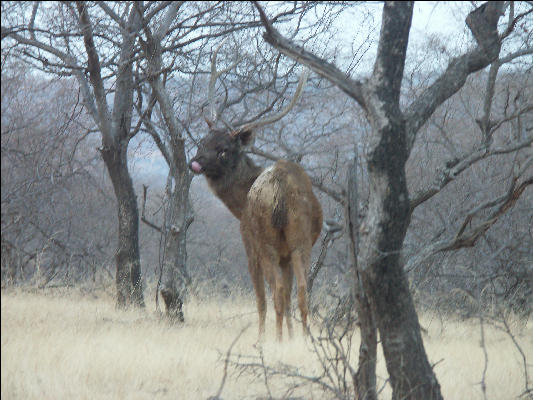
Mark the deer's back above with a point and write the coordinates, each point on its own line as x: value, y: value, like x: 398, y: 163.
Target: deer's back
x: 281, y: 210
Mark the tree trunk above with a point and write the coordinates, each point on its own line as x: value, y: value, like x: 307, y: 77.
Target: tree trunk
x: 365, y: 376
x: 383, y: 278
x: 128, y: 273
x: 177, y: 213
x: 176, y: 278
x: 116, y: 134
x: 178, y: 218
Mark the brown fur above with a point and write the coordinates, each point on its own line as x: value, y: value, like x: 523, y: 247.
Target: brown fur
x: 279, y: 206
x: 280, y: 219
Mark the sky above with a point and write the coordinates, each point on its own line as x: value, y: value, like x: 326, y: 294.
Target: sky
x: 436, y: 17
x: 359, y: 27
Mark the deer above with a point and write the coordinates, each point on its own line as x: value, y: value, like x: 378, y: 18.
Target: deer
x: 280, y: 216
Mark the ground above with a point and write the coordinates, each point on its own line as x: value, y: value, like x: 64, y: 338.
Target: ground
x: 68, y: 345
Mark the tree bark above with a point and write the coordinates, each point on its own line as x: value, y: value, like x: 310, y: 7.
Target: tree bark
x: 178, y: 218
x: 128, y: 266
x: 365, y: 376
x: 9, y: 266
x: 383, y: 278
x: 176, y: 278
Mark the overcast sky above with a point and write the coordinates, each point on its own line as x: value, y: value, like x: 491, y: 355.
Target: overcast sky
x: 438, y: 17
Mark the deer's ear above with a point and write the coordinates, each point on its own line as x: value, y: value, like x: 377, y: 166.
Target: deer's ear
x: 245, y: 137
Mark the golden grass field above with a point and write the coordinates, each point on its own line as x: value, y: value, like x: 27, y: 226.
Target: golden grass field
x: 65, y: 345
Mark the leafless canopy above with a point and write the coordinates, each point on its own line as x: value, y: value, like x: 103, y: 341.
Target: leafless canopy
x: 214, y: 114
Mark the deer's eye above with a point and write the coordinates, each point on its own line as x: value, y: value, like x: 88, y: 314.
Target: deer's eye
x: 222, y: 153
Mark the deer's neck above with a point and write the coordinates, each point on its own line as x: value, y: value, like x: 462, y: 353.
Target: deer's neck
x: 234, y: 186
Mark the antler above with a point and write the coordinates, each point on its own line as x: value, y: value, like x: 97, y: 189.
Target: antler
x: 212, y: 80
x: 280, y: 115
x: 213, y: 114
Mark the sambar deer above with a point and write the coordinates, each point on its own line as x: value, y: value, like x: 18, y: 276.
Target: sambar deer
x: 280, y: 217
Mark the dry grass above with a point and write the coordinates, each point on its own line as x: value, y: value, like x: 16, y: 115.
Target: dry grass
x: 69, y: 346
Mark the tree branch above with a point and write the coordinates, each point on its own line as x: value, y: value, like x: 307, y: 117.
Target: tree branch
x: 95, y: 74
x: 31, y: 24
x: 112, y: 14
x: 167, y: 20
x: 448, y: 174
x: 468, y: 239
x: 143, y: 216
x: 505, y: 202
x: 70, y: 63
x: 123, y: 99
x: 390, y: 60
x: 483, y: 22
x: 328, y: 70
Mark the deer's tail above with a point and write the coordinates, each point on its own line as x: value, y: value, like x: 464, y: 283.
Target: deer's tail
x: 279, y: 206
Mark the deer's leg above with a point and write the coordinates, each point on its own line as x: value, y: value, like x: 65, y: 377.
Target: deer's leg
x: 270, y: 264
x: 258, y: 283
x: 279, y: 301
x: 259, y: 288
x: 301, y: 259
x: 288, y: 275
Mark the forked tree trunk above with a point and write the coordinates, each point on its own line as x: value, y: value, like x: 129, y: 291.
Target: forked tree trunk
x: 128, y: 271
x: 381, y: 271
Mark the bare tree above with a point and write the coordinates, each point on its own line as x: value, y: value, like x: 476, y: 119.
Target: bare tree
x: 393, y: 134
x: 56, y: 49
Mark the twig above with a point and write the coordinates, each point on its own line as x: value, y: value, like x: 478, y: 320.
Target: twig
x: 524, y: 360
x: 265, y: 370
x: 143, y: 217
x: 226, y: 362
x: 486, y: 358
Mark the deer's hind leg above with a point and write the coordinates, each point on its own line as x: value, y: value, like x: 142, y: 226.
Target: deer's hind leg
x: 259, y: 288
x: 288, y: 276
x: 258, y: 282
x: 301, y: 259
x: 279, y: 293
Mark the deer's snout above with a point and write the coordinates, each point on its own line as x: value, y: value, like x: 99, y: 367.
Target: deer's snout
x: 195, y: 166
